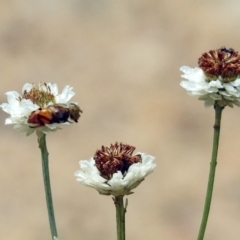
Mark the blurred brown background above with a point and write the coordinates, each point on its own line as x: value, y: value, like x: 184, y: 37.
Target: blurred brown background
x: 123, y: 59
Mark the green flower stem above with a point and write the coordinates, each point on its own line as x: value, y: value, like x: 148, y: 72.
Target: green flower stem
x: 47, y: 185
x: 120, y: 216
x: 213, y: 164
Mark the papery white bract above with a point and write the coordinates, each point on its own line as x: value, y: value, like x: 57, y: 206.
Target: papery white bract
x: 215, y: 90
x: 119, y: 184
x: 20, y: 108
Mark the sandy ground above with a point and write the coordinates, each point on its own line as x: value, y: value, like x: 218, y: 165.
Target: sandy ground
x: 123, y: 59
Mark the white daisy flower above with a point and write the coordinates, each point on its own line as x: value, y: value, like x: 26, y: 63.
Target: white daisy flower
x: 40, y: 108
x: 114, y: 170
x: 216, y: 80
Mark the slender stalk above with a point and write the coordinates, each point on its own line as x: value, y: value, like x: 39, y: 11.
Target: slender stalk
x: 47, y: 185
x: 213, y: 164
x: 120, y: 216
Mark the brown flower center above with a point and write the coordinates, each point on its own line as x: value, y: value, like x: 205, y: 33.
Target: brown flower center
x: 223, y: 62
x: 39, y: 94
x: 117, y: 157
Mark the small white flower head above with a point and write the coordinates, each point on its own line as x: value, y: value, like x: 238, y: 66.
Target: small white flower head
x: 216, y: 80
x: 40, y: 108
x: 115, y: 170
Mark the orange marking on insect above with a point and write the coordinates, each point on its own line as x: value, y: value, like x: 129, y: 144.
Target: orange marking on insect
x: 56, y: 113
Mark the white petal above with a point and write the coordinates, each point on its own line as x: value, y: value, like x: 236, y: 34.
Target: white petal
x: 215, y: 84
x: 89, y: 176
x: 12, y: 97
x: 54, y: 88
x: 194, y: 88
x: 8, y: 121
x: 229, y: 87
x: 66, y: 95
x: 117, y: 181
x: 27, y: 87
x: 236, y: 83
x: 193, y: 74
